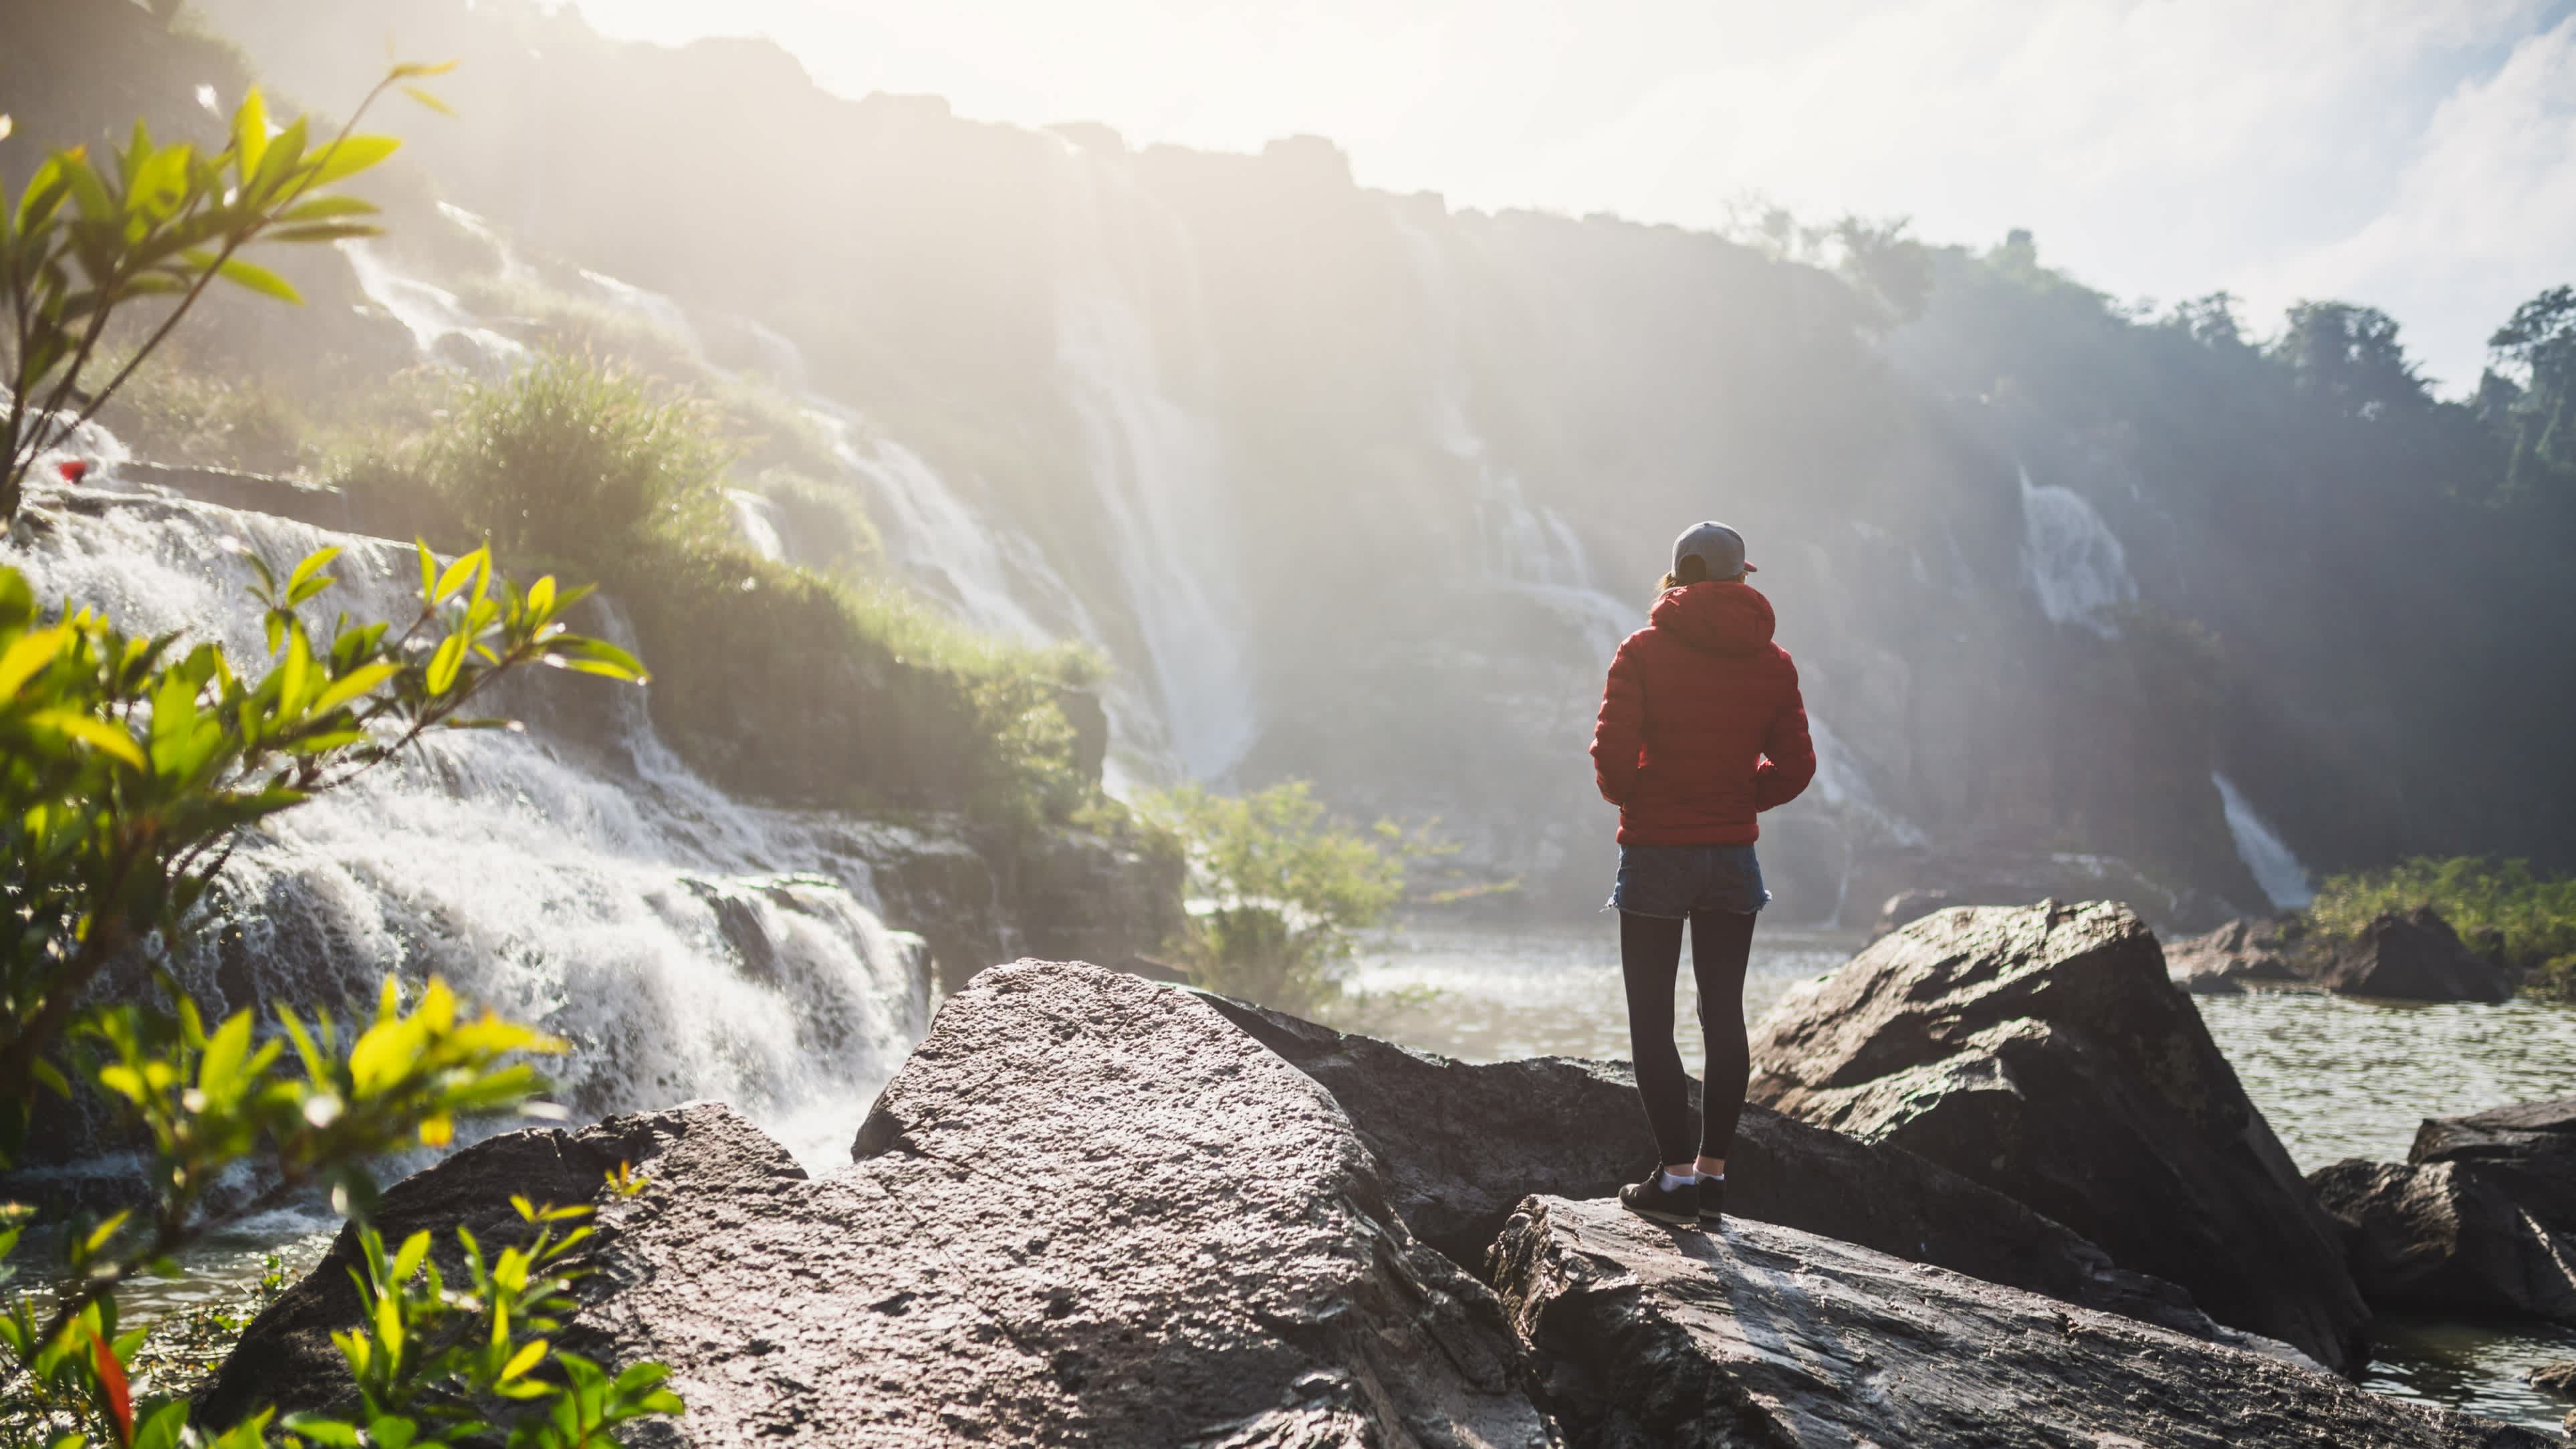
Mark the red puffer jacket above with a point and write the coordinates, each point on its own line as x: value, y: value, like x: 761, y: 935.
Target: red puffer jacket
x: 1696, y: 702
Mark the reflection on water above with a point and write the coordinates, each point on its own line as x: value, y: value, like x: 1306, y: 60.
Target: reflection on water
x: 2474, y: 1366
x: 2344, y: 1078
x: 2336, y: 1077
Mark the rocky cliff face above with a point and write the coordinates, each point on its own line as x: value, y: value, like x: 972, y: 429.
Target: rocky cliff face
x: 1357, y: 487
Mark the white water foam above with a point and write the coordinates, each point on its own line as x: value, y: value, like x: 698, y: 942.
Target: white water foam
x: 2276, y: 868
x: 755, y: 518
x: 2070, y: 558
x: 688, y: 945
x: 440, y: 326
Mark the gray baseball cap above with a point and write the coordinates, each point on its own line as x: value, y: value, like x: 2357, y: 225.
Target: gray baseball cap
x: 1717, y: 545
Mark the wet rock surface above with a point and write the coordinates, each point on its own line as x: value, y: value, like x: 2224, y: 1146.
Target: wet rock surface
x: 2439, y: 1236
x: 2243, y: 955
x: 2043, y: 1052
x: 2527, y: 1150
x: 2480, y: 1218
x: 1763, y: 1335
x: 2413, y: 957
x: 1465, y: 1143
x: 1050, y: 1236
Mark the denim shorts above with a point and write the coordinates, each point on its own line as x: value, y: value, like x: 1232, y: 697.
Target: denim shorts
x: 1672, y: 881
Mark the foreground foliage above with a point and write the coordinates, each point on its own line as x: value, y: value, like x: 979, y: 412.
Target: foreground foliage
x: 84, y: 241
x: 129, y: 766
x: 2524, y: 920
x: 1288, y: 890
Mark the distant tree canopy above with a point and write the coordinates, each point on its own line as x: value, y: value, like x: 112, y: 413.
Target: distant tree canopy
x: 2351, y: 355
x: 2539, y: 411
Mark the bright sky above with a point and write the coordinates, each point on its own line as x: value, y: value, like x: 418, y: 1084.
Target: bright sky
x: 2417, y: 155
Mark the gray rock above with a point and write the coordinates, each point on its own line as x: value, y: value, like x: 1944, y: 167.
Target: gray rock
x: 2554, y: 1378
x: 2444, y: 1236
x: 1906, y: 907
x: 1763, y: 1335
x: 2043, y: 1052
x: 1087, y: 1211
x: 2527, y: 1151
x: 2242, y: 955
x: 2414, y: 957
x: 1465, y: 1143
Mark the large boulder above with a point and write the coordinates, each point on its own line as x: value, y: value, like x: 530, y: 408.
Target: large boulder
x: 1757, y: 1334
x: 2442, y: 1236
x: 2528, y: 1151
x: 2413, y: 957
x: 1464, y: 1143
x: 2242, y: 955
x: 1086, y: 1211
x: 2043, y: 1052
x: 2481, y: 1218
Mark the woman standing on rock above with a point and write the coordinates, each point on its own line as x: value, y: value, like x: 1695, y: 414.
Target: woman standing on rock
x: 1701, y: 729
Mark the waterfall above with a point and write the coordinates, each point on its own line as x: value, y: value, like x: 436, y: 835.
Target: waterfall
x: 686, y: 944
x: 1150, y: 444
x: 2070, y: 558
x: 666, y: 315
x: 440, y: 327
x: 2276, y: 869
x: 1530, y: 548
x: 756, y: 519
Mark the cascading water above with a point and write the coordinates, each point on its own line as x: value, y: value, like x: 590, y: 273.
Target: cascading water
x: 1151, y: 446
x: 2070, y: 558
x: 440, y: 326
x: 686, y: 944
x: 756, y: 519
x: 2276, y: 868
x: 1530, y: 548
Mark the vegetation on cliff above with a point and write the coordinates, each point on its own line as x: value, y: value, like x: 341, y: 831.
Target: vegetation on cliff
x: 2502, y: 909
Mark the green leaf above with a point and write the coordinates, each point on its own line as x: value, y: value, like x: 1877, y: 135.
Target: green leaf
x: 351, y: 155
x: 314, y: 563
x: 444, y: 664
x: 455, y: 577
x: 96, y: 733
x: 322, y: 1429
x: 328, y: 208
x: 411, y: 69
x: 259, y: 279
x: 329, y: 231
x: 27, y: 654
x: 349, y: 686
x: 414, y: 1249
x: 218, y: 1070
x: 250, y: 130
x: 431, y: 101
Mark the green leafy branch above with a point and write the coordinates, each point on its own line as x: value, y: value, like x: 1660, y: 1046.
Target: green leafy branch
x: 83, y: 240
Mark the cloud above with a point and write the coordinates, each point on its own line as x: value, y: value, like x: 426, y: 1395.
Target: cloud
x: 2483, y: 215
x: 2413, y: 154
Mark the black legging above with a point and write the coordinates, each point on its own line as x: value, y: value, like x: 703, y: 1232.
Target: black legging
x: 1650, y: 953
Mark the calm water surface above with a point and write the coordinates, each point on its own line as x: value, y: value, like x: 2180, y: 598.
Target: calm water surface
x: 2335, y: 1077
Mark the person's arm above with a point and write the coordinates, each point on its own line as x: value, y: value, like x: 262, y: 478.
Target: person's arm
x: 1789, y: 753
x: 1618, y: 736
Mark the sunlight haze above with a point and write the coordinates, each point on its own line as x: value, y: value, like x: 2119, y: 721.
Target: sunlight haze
x: 2419, y: 157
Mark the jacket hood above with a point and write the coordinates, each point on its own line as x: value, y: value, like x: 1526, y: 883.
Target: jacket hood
x: 1715, y: 618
